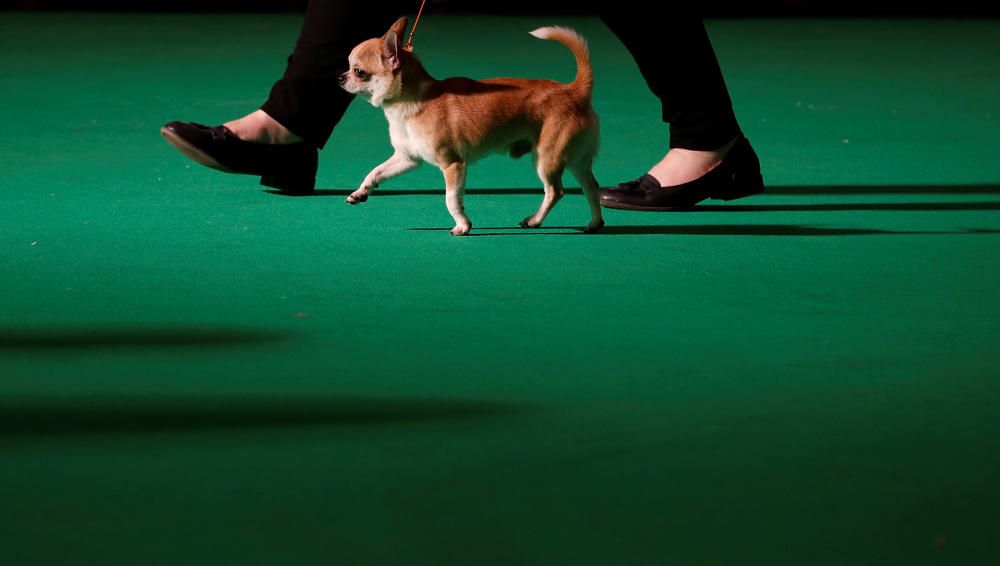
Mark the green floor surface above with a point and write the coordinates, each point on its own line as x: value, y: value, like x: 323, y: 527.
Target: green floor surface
x: 195, y: 371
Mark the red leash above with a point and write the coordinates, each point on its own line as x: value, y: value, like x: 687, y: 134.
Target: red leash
x: 409, y: 42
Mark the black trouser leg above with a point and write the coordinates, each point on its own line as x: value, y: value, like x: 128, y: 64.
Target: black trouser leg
x: 672, y: 50
x: 307, y: 99
x: 677, y: 60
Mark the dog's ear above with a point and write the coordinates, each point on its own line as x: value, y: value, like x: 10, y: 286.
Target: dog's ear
x: 392, y: 43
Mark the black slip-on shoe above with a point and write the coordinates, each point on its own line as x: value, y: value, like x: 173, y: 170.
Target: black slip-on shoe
x: 736, y: 177
x: 290, y: 168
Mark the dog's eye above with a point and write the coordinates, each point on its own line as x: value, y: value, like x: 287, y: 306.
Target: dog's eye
x: 360, y: 74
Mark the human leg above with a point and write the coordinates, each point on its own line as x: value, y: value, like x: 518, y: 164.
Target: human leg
x: 303, y: 106
x: 308, y: 100
x: 677, y: 60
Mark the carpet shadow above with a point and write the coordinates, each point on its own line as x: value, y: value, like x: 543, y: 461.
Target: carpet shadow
x: 751, y: 230
x: 969, y: 189
x: 69, y: 417
x: 137, y: 337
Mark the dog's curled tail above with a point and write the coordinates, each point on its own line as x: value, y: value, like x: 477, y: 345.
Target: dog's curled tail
x: 584, y: 76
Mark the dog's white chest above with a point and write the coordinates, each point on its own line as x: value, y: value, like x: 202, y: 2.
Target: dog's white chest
x: 405, y: 139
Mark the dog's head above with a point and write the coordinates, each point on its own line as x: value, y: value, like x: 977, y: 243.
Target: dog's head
x: 376, y: 66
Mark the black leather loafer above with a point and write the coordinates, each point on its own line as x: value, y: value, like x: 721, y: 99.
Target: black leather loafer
x: 736, y: 177
x: 290, y: 168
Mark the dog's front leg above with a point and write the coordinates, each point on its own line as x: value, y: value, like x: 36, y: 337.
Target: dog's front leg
x: 454, y: 196
x: 395, y: 165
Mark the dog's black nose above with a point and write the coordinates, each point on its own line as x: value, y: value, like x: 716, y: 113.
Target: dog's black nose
x: 342, y: 79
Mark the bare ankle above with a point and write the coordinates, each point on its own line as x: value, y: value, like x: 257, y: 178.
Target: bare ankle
x: 260, y: 127
x: 681, y: 165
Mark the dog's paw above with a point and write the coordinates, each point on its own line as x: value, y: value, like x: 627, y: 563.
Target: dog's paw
x: 529, y: 222
x: 461, y: 229
x: 357, y: 197
x: 594, y: 227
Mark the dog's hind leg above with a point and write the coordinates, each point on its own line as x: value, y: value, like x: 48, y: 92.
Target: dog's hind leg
x: 550, y: 171
x: 585, y: 175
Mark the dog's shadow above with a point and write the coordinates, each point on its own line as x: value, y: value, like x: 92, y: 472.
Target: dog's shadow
x: 421, y: 192
x: 736, y: 229
x: 702, y: 230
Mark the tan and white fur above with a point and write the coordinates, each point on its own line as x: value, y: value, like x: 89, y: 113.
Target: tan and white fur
x: 453, y: 122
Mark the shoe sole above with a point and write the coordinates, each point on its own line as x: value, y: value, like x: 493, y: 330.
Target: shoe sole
x: 193, y: 152
x: 627, y: 206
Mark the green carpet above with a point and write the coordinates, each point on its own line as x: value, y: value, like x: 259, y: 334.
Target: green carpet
x: 195, y: 371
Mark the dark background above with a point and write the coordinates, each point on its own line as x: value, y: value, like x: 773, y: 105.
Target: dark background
x: 826, y: 8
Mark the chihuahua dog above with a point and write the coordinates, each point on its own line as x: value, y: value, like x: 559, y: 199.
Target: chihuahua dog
x: 453, y: 122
